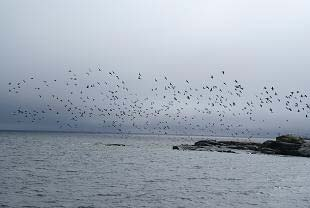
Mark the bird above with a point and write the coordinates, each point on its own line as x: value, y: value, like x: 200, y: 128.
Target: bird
x: 110, y: 101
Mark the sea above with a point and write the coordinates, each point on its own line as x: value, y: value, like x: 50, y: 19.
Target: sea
x: 45, y: 169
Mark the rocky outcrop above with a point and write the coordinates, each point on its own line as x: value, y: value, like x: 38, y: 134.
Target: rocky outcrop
x: 282, y: 148
x: 283, y: 145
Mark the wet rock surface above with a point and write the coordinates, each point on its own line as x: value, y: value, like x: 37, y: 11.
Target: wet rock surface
x: 282, y: 145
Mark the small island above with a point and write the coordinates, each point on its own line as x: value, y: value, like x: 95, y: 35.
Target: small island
x: 282, y: 145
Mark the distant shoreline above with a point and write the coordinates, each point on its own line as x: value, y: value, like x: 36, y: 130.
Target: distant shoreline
x: 114, y: 133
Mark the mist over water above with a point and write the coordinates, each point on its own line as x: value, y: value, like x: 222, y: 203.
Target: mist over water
x: 103, y: 100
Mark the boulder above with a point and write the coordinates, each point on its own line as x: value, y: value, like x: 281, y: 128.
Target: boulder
x: 281, y: 145
x: 290, y: 139
x: 283, y: 148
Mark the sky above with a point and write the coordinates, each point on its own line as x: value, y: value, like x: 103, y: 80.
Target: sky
x: 259, y: 43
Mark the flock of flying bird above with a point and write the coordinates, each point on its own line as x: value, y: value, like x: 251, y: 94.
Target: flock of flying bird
x: 101, y: 98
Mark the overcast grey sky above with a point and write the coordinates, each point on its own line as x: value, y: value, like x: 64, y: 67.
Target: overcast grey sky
x: 259, y: 42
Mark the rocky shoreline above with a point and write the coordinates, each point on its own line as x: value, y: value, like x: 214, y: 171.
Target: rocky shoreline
x: 282, y: 145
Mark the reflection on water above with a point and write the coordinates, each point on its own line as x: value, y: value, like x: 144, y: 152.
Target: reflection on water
x: 79, y: 170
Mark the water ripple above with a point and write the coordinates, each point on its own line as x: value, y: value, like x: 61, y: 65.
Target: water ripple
x: 79, y: 170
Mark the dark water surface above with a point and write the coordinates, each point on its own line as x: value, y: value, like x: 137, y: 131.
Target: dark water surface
x: 78, y: 170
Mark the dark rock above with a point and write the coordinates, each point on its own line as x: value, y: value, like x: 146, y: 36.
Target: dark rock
x: 283, y: 148
x: 281, y: 145
x: 268, y: 144
x: 208, y: 142
x: 227, y: 151
x: 268, y: 151
x: 304, y: 150
x: 290, y: 139
x: 253, y: 147
x: 117, y: 145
